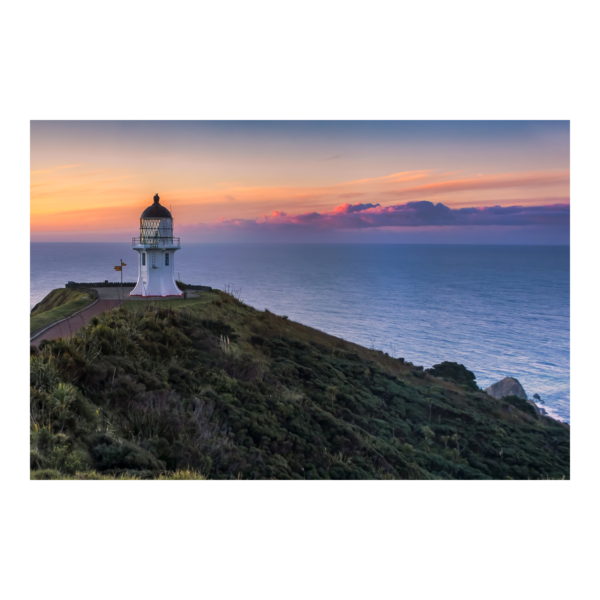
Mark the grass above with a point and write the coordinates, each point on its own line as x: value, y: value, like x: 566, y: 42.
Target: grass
x: 57, y: 298
x: 46, y: 474
x: 136, y: 306
x: 61, y: 311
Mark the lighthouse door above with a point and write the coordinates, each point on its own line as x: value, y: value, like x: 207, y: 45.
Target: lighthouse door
x: 154, y: 260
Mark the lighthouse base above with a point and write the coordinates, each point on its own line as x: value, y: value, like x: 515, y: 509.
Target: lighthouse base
x: 156, y: 277
x: 148, y: 296
x: 156, y: 290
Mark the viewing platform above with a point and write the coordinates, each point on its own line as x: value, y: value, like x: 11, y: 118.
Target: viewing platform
x: 155, y: 242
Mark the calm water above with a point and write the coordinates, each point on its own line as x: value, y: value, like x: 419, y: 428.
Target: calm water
x: 499, y: 310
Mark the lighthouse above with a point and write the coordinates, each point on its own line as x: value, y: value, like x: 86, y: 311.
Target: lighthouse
x: 156, y: 248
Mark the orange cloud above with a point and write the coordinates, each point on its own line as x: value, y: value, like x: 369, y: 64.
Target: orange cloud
x: 53, y: 169
x: 489, y: 182
x: 394, y: 177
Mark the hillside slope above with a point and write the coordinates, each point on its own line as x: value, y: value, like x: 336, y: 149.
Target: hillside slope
x: 58, y: 304
x: 213, y: 386
x: 57, y: 298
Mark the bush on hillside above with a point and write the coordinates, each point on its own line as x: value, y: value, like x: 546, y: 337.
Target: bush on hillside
x: 456, y: 372
x: 521, y: 405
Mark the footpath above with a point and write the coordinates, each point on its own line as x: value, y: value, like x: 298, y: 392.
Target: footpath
x: 108, y: 298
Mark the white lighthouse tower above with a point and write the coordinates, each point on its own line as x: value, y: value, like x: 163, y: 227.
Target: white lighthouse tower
x: 156, y: 247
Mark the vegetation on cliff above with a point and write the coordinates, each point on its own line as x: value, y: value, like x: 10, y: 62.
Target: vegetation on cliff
x: 213, y: 388
x: 57, y: 305
x: 454, y: 372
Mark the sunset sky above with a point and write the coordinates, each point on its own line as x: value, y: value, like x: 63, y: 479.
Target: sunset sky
x: 371, y: 181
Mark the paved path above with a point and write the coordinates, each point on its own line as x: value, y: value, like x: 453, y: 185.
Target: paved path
x: 108, y: 298
x: 71, y: 324
x: 114, y: 293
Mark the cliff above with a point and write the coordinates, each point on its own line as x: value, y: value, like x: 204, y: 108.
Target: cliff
x: 213, y: 388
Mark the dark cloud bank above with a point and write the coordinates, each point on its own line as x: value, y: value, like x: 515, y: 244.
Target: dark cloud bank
x: 411, y: 214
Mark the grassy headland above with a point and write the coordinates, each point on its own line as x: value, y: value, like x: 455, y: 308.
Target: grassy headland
x: 57, y: 305
x: 212, y: 388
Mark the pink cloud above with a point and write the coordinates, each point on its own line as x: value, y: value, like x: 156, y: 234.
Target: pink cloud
x: 412, y: 214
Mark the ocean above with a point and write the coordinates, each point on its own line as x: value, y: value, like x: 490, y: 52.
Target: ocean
x: 499, y: 310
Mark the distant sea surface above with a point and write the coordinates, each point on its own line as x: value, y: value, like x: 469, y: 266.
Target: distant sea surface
x: 499, y: 310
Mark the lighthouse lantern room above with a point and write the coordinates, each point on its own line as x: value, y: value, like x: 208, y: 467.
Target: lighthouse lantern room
x: 156, y: 248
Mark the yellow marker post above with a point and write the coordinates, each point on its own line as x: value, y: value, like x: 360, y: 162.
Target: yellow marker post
x: 120, y: 268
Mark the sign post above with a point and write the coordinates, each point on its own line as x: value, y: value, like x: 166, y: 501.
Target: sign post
x: 120, y: 268
x: 122, y: 265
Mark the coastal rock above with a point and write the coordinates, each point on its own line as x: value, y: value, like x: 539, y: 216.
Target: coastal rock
x: 509, y: 386
x: 540, y: 411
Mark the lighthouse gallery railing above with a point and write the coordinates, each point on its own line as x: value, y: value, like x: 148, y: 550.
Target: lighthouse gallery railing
x: 155, y: 241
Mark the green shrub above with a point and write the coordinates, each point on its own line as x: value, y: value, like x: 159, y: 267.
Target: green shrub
x: 67, y: 461
x: 521, y: 405
x: 36, y: 460
x: 46, y: 474
x: 456, y: 372
x: 43, y: 372
x: 108, y: 454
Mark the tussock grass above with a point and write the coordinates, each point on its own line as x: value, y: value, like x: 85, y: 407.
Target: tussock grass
x: 53, y: 474
x: 181, y: 475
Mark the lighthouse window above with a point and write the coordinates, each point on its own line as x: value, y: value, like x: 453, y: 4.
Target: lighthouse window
x: 166, y: 258
x: 143, y: 258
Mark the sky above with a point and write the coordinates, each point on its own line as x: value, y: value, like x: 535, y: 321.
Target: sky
x: 501, y: 182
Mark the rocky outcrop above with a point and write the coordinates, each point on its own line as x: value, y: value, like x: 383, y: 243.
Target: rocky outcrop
x: 509, y: 386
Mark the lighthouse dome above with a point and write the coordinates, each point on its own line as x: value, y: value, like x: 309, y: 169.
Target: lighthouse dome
x: 156, y: 210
